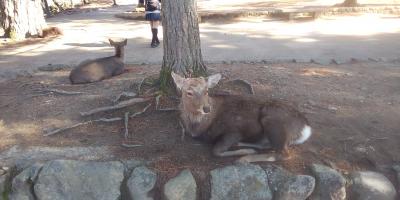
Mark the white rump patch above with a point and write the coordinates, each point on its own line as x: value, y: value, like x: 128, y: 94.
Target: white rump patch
x: 305, y: 134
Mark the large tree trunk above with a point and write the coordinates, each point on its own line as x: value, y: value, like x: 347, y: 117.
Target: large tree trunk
x: 22, y: 18
x: 182, y: 50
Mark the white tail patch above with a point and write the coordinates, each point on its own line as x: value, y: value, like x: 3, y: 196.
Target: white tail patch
x: 305, y: 134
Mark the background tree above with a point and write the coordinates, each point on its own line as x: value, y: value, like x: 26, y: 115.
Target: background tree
x: 181, y: 42
x: 22, y: 18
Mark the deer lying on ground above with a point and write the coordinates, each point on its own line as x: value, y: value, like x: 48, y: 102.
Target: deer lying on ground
x: 231, y: 121
x: 98, y: 69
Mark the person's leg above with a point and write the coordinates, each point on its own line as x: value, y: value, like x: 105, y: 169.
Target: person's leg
x: 155, y: 28
x: 152, y: 32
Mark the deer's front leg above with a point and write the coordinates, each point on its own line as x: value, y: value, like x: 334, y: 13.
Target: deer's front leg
x: 227, y: 141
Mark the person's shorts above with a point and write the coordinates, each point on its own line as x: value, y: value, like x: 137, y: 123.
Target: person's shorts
x: 153, y: 16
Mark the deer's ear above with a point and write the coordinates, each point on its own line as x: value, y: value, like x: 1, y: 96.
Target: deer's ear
x: 213, y: 80
x: 178, y: 80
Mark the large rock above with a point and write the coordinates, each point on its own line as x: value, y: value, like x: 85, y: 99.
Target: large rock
x: 330, y: 184
x: 141, y: 182
x: 369, y: 185
x: 68, y: 179
x: 182, y: 187
x: 241, y: 182
x: 285, y: 185
x: 22, y: 184
x: 23, y: 157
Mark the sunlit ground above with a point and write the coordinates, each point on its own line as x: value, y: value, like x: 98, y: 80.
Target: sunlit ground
x: 358, y: 25
x: 86, y: 37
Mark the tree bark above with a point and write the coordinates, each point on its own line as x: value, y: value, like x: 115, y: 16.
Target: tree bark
x: 181, y: 43
x: 22, y: 18
x: 47, y: 8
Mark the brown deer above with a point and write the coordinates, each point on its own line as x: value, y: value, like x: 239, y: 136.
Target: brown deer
x: 244, y: 122
x: 98, y: 69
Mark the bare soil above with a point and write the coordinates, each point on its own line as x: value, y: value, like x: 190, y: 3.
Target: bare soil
x: 354, y: 110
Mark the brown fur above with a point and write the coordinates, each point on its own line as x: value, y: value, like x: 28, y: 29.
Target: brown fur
x: 96, y: 70
x: 239, y: 121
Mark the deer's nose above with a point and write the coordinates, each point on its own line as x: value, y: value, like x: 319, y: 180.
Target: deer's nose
x: 206, y: 109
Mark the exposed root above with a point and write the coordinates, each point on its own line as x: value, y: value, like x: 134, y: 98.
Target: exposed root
x: 167, y: 109
x: 124, y: 94
x: 130, y: 145
x: 63, y: 92
x: 157, y: 101
x: 126, y: 134
x: 82, y: 123
x: 141, y: 112
x: 120, y: 105
x: 140, y: 86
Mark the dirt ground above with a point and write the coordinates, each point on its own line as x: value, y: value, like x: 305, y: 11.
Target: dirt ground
x: 354, y: 110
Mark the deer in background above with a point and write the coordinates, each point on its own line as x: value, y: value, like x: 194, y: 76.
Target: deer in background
x: 98, y: 69
x: 244, y: 123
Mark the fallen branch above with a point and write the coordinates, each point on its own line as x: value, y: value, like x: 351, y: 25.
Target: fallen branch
x: 120, y: 105
x: 141, y: 112
x: 126, y: 125
x: 82, y: 123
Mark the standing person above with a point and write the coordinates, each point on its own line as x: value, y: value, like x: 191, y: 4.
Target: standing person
x: 153, y: 9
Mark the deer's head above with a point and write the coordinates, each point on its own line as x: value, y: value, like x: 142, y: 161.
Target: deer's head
x: 194, y: 92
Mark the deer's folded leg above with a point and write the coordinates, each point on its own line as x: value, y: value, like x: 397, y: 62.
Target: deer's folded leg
x: 267, y: 157
x: 227, y: 141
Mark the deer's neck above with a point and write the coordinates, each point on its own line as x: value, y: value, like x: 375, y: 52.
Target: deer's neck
x: 120, y: 53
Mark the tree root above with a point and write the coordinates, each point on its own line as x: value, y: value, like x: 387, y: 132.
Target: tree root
x: 63, y: 92
x: 82, y: 123
x: 130, y: 145
x: 141, y: 112
x: 120, y: 105
x: 124, y: 94
x: 140, y: 85
x: 126, y: 134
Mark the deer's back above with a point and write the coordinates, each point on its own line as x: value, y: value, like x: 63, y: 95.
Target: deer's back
x: 251, y: 115
x: 96, y: 70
